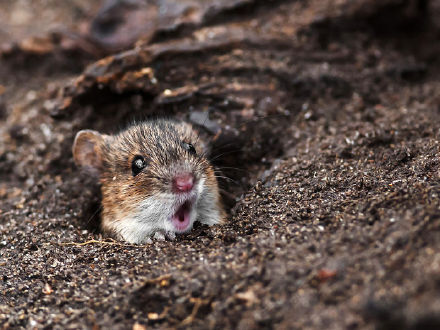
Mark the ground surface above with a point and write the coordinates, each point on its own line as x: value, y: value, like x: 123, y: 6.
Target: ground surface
x: 328, y: 113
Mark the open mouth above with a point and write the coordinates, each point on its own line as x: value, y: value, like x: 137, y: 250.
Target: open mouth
x: 180, y: 219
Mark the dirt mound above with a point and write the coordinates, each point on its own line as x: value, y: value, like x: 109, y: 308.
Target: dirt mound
x: 323, y: 114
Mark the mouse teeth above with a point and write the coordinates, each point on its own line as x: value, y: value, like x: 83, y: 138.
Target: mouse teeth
x: 181, y: 219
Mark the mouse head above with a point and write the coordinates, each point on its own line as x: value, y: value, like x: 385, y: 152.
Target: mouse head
x: 154, y: 178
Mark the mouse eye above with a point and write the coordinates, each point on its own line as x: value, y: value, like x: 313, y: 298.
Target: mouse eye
x: 189, y: 147
x: 138, y: 164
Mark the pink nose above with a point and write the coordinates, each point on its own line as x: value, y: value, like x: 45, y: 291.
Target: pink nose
x: 183, y: 182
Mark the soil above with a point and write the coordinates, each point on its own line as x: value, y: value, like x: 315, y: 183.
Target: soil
x: 322, y: 114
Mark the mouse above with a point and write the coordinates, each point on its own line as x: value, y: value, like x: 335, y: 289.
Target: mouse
x: 156, y: 180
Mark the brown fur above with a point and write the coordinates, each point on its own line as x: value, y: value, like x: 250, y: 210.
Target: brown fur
x: 160, y: 143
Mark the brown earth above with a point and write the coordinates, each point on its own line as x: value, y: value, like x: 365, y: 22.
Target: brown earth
x: 324, y: 114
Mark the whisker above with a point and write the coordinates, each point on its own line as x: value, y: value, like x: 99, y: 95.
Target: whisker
x: 226, y: 178
x: 219, y: 168
x: 223, y: 154
x: 94, y: 214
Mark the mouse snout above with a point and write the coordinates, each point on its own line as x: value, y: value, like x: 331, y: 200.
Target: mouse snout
x: 183, y: 182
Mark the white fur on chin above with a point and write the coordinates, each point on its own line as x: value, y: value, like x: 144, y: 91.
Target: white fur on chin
x: 153, y: 218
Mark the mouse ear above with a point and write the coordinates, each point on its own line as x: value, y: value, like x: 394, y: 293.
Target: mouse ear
x: 87, y: 151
